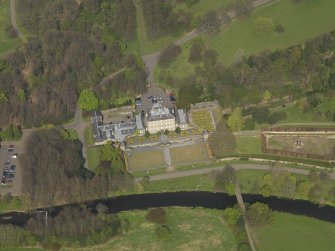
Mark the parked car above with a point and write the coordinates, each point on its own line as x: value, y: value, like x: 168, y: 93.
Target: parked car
x: 7, y: 161
x: 8, y: 175
x: 12, y: 168
x: 10, y: 149
x: 3, y: 181
x: 14, y: 156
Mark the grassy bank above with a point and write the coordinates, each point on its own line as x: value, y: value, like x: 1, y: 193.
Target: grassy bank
x: 6, y: 43
x: 191, y: 229
x: 294, y: 233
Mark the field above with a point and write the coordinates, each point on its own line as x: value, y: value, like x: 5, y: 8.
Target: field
x: 93, y: 158
x: 248, y: 145
x: 203, y: 119
x: 294, y: 233
x: 145, y: 160
x: 191, y: 229
x: 189, y: 154
x: 6, y: 43
x: 88, y: 134
x: 298, y: 20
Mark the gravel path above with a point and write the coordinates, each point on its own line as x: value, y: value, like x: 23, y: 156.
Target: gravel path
x: 13, y: 19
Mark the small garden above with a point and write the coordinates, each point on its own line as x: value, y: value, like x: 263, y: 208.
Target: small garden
x: 203, y: 119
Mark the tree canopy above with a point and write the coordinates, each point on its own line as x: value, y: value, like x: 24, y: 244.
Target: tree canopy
x: 88, y: 101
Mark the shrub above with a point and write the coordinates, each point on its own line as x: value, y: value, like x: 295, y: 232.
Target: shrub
x: 232, y: 215
x: 157, y: 215
x: 166, y: 132
x: 263, y: 24
x: 147, y: 134
x: 259, y: 214
x: 279, y: 28
x: 163, y: 232
x: 249, y: 124
x: 178, y: 130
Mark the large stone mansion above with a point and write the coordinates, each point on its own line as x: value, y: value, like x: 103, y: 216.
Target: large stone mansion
x: 155, y: 111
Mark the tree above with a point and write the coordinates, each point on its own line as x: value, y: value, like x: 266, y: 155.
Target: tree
x: 163, y: 232
x: 88, y: 101
x: 166, y: 132
x: 263, y: 24
x: 157, y: 215
x: 222, y: 142
x: 225, y: 180
x: 267, y: 96
x: 235, y: 121
x: 178, y: 130
x: 195, y: 55
x: 259, y: 214
x: 260, y: 115
x: 3, y: 97
x: 147, y: 134
x: 232, y: 215
x: 168, y: 54
x: 137, y: 132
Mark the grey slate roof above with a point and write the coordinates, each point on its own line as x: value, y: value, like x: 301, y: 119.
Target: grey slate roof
x: 159, y: 112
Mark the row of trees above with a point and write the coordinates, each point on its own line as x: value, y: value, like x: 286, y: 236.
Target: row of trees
x: 292, y: 73
x: 54, y: 171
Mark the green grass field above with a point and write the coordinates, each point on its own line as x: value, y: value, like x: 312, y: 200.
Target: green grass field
x: 189, y: 154
x: 191, y: 229
x: 93, y: 157
x: 248, y: 145
x: 296, y: 233
x: 21, y: 249
x: 300, y: 21
x: 88, y: 134
x: 6, y: 43
x: 145, y: 160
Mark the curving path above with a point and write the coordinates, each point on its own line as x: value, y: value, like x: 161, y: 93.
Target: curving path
x: 265, y: 167
x: 13, y: 19
x: 150, y: 60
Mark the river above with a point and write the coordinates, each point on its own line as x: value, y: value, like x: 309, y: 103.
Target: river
x: 187, y: 199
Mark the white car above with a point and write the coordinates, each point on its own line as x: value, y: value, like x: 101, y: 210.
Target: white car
x: 14, y: 156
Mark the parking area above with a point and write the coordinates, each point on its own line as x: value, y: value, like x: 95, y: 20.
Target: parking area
x: 11, y: 179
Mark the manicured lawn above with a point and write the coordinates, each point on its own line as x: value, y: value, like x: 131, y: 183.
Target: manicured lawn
x: 248, y: 179
x: 93, y: 157
x: 190, y: 183
x: 145, y: 160
x: 294, y: 233
x: 189, y: 154
x: 6, y: 43
x: 88, y: 134
x: 248, y: 144
x: 300, y: 21
x: 191, y: 229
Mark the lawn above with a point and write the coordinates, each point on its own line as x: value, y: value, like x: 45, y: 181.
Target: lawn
x: 300, y: 21
x: 88, y: 134
x: 189, y: 154
x: 248, y: 145
x: 250, y: 178
x: 190, y: 183
x: 93, y: 157
x: 6, y: 43
x: 191, y: 229
x: 21, y: 249
x: 203, y: 119
x: 294, y: 233
x: 145, y: 160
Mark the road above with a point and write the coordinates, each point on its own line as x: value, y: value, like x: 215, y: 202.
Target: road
x: 13, y: 19
x: 180, y: 174
x: 79, y: 125
x: 151, y: 60
x: 110, y: 76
